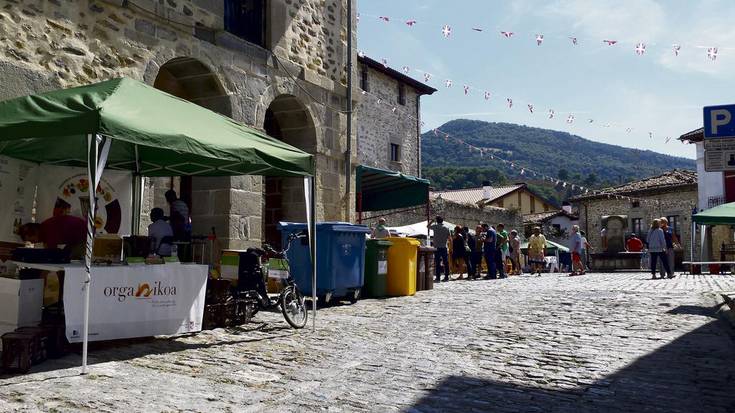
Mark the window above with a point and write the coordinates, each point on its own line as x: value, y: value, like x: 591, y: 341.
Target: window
x: 246, y: 20
x: 401, y: 94
x: 364, y: 79
x: 395, y: 152
x: 636, y: 225
x: 673, y: 223
x: 636, y: 204
x: 533, y: 205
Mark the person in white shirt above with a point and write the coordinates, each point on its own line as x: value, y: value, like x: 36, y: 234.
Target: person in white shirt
x: 157, y: 231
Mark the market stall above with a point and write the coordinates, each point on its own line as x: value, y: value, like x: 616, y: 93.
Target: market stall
x: 123, y: 124
x: 553, y: 250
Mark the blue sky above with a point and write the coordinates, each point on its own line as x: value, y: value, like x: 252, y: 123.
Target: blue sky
x: 657, y: 92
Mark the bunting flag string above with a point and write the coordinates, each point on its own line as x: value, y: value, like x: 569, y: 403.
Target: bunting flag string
x: 499, y: 155
x: 487, y: 94
x: 447, y: 30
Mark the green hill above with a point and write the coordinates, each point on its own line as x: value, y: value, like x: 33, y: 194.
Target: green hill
x: 554, y: 153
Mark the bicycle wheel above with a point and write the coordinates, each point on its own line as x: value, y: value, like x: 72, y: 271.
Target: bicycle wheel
x: 293, y: 307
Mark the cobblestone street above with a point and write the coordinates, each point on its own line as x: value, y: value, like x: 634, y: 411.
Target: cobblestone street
x: 601, y: 342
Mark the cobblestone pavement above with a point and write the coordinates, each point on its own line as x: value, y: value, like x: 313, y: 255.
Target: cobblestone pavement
x: 601, y: 342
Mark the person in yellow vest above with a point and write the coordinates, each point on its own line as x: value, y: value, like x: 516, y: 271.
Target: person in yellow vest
x: 537, y: 251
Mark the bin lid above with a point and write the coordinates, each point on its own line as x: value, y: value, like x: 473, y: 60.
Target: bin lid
x: 404, y: 241
x: 379, y: 242
x: 325, y: 226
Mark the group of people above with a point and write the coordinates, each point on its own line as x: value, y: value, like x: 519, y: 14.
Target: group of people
x: 494, y: 244
x: 661, y: 242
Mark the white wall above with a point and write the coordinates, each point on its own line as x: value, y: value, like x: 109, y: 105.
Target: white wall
x: 709, y: 184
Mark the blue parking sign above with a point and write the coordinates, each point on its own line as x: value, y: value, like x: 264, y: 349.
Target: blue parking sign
x: 719, y: 121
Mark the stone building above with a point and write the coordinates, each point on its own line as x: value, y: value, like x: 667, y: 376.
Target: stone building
x: 389, y: 139
x: 635, y: 204
x: 517, y: 197
x: 277, y: 65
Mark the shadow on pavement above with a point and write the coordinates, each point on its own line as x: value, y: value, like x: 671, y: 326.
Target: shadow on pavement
x: 694, y: 373
x: 127, y: 349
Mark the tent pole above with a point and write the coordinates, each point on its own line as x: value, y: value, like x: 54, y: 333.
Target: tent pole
x: 137, y: 195
x: 359, y: 207
x: 98, y: 149
x: 312, y: 234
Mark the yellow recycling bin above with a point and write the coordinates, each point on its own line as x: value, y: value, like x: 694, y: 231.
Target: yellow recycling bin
x: 402, y: 260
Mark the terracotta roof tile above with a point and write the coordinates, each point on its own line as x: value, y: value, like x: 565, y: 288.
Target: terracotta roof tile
x: 669, y: 180
x: 472, y: 196
x: 696, y: 135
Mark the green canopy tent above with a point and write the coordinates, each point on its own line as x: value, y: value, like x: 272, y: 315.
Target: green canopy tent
x: 382, y: 190
x: 720, y: 215
x: 127, y: 125
x: 551, y: 246
x: 552, y: 249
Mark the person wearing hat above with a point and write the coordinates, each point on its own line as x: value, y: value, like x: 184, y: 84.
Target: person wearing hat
x: 380, y: 231
x: 157, y: 231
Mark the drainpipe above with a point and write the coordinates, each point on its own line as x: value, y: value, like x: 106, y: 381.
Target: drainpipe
x: 348, y: 152
x: 418, y: 135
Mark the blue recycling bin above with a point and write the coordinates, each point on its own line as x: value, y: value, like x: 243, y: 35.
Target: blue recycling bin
x: 340, y: 258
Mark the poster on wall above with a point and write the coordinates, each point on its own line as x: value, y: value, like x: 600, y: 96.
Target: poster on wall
x: 135, y: 301
x: 64, y: 188
x: 17, y: 189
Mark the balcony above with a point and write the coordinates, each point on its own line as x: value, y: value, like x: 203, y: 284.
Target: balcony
x: 714, y: 201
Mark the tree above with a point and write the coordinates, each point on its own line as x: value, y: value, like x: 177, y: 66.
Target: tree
x: 563, y: 174
x: 591, y: 179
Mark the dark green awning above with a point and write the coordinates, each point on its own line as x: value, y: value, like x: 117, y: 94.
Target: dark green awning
x: 719, y: 215
x: 380, y: 190
x: 152, y: 131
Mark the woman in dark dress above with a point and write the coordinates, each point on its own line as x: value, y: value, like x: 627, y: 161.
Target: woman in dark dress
x: 459, y: 252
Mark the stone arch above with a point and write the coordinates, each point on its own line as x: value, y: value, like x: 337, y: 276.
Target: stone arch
x: 190, y: 79
x: 286, y: 118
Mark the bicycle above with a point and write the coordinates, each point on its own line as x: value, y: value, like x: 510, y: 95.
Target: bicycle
x: 251, y: 293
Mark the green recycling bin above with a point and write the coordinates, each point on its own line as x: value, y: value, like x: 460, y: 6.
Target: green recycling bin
x: 376, y: 267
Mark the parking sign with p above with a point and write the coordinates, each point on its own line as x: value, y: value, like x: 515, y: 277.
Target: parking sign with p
x: 719, y: 121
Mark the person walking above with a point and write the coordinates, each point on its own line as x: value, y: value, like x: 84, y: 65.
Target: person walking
x: 586, y: 248
x: 671, y: 242
x: 502, y: 250
x: 657, y: 247
x: 476, y: 255
x: 536, y: 251
x: 471, y: 247
x: 576, y: 247
x: 459, y: 252
x: 489, y: 250
x: 515, y: 252
x: 441, y: 255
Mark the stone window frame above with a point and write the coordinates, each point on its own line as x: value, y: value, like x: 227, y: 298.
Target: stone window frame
x: 402, y: 94
x: 364, y: 78
x: 641, y: 225
x: 265, y: 22
x: 397, y: 152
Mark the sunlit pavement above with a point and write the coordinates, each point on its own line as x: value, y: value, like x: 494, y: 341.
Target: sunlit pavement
x: 600, y: 342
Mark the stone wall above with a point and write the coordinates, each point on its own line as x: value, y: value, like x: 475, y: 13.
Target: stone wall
x: 458, y: 214
x: 62, y: 43
x: 378, y: 126
x: 652, y: 206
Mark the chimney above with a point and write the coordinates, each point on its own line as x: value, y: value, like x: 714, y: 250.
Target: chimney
x: 486, y: 190
x: 566, y: 207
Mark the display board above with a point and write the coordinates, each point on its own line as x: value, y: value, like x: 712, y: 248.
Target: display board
x: 61, y: 187
x: 17, y: 189
x: 135, y: 301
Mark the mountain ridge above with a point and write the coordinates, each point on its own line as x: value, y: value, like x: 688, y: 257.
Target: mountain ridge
x: 546, y: 151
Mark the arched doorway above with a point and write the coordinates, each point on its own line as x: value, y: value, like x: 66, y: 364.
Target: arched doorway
x: 190, y: 79
x: 290, y: 121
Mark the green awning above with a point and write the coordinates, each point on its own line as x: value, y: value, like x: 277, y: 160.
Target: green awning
x: 551, y: 246
x: 167, y: 136
x: 380, y: 190
x: 719, y: 215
